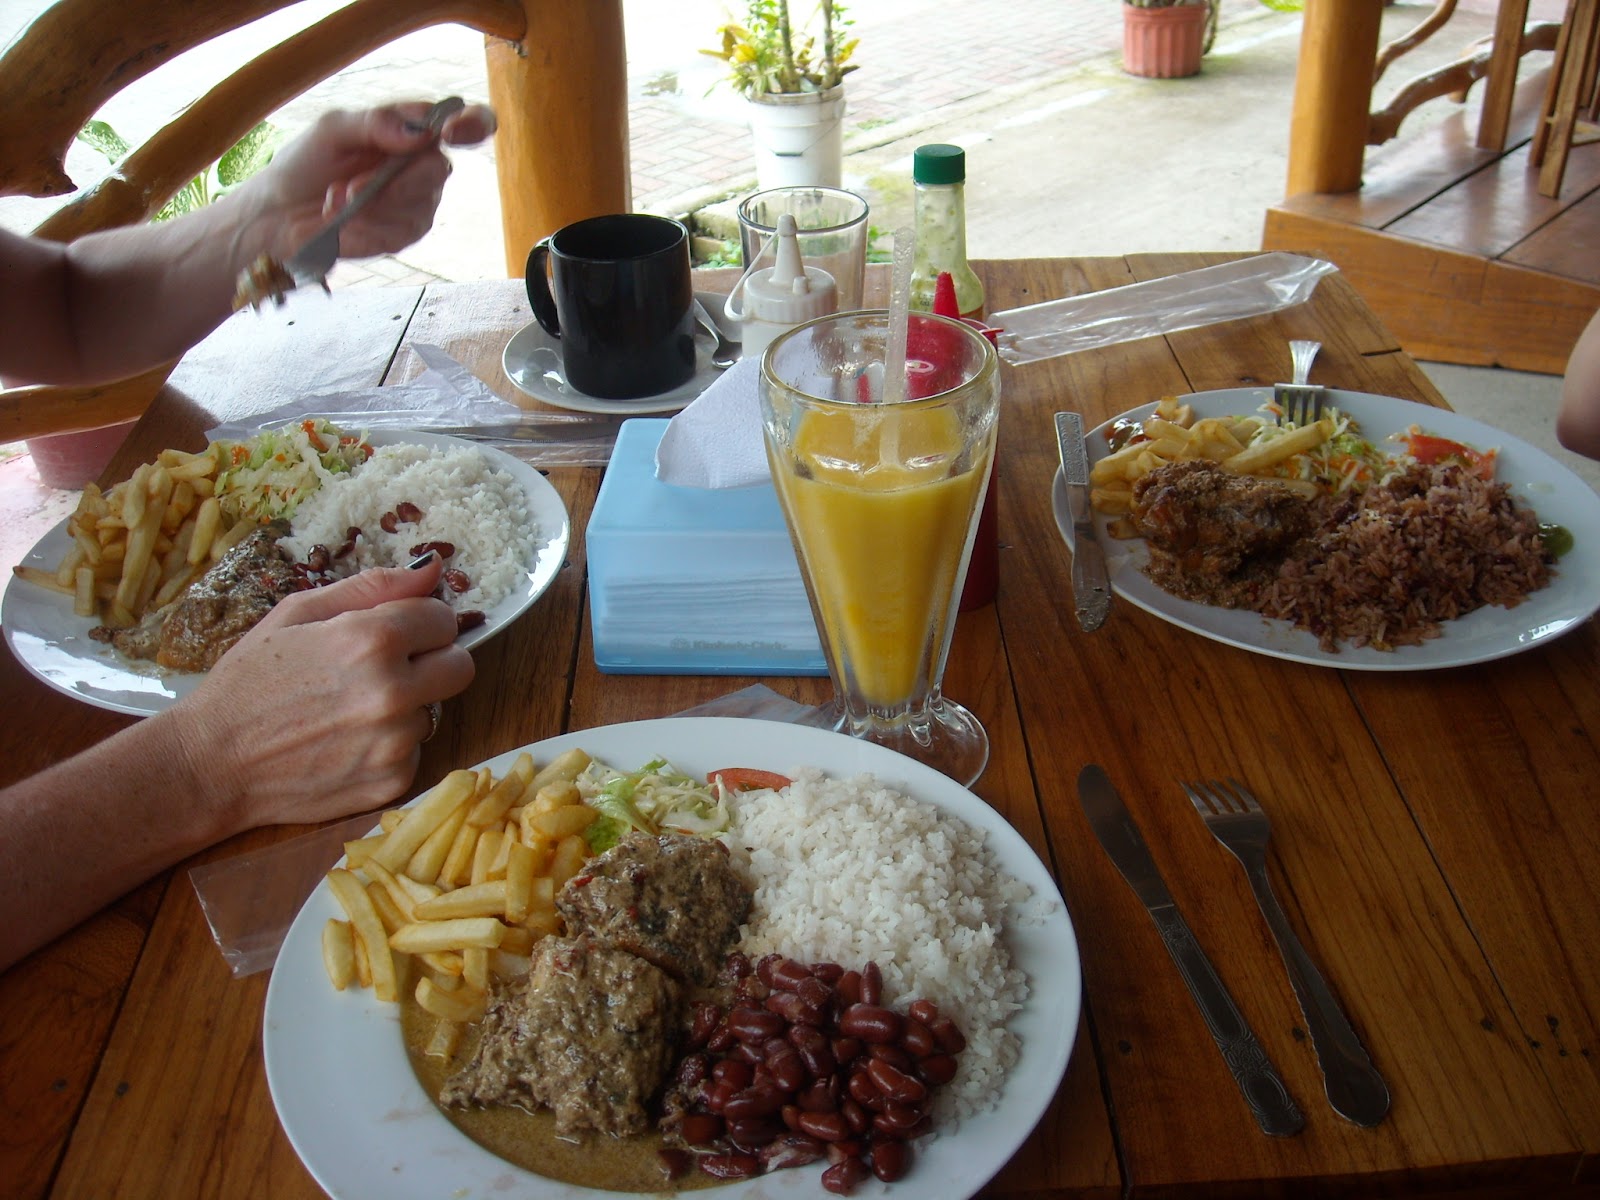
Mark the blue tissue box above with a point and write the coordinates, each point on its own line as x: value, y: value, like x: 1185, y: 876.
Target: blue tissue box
x: 691, y: 581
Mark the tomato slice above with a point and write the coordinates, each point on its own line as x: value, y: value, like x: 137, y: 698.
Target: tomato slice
x: 748, y: 779
x: 1430, y: 449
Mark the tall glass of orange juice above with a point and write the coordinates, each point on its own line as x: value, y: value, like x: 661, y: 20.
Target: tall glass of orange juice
x: 882, y: 499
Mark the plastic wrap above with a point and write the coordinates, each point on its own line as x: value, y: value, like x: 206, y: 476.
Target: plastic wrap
x: 1250, y: 287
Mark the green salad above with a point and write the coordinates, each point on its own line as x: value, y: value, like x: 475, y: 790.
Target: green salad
x: 266, y: 477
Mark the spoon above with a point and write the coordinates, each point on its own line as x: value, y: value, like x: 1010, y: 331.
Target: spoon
x: 725, y: 353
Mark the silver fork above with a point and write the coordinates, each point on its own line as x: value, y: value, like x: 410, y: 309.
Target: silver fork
x: 1353, y: 1086
x: 312, y: 262
x: 1300, y: 402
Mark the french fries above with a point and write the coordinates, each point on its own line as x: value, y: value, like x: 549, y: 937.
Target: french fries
x: 136, y: 546
x: 455, y: 891
x: 1173, y: 434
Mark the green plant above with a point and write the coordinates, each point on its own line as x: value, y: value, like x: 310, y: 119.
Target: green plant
x: 769, y: 55
x: 248, y: 155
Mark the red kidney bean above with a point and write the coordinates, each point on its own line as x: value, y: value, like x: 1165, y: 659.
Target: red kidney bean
x: 730, y: 1166
x: 897, y: 1119
x: 828, y: 972
x: 937, y: 1069
x: 674, y: 1163
x: 788, y: 1071
x: 692, y: 1070
x: 890, y: 1160
x: 703, y: 1024
x: 700, y: 1129
x: 721, y: 1038
x: 764, y: 967
x: 457, y: 581
x: 871, y: 976
x: 319, y: 559
x: 813, y: 1050
x: 828, y: 1127
x: 918, y: 1038
x: 871, y: 1023
x: 951, y: 1040
x: 814, y: 990
x: 893, y: 1055
x: 791, y: 1116
x: 740, y: 1073
x: 858, y: 1118
x: 848, y: 989
x: 469, y: 618
x: 389, y: 523
x: 751, y: 1134
x: 846, y: 1049
x: 925, y: 1011
x: 754, y: 1101
x: 754, y: 1024
x: 751, y: 990
x: 793, y: 1008
x: 747, y: 1052
x: 818, y: 1097
x: 443, y: 549
x: 788, y: 974
x: 895, y: 1083
x: 843, y: 1178
x: 839, y: 1151
x: 863, y: 1091
x: 718, y: 1095
x: 791, y: 1150
x: 737, y: 965
x: 346, y: 548
x: 408, y: 512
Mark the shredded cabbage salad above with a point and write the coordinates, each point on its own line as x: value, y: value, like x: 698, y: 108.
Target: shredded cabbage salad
x: 657, y: 798
x: 267, y: 477
x: 1345, y: 462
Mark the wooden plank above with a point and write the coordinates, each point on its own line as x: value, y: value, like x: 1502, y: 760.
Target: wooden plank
x: 1499, y: 89
x: 1333, y: 91
x: 1570, y: 244
x: 1447, y: 306
x: 1492, y: 211
x: 1328, y: 858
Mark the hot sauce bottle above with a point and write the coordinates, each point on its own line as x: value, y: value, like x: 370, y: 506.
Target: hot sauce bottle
x: 939, y: 174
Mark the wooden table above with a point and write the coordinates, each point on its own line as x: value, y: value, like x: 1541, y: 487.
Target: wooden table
x: 1435, y: 838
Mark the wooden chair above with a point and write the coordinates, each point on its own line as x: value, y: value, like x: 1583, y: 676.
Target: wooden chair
x: 557, y: 77
x: 1570, y: 94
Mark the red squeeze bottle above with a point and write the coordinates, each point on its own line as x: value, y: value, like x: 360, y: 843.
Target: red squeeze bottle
x: 983, y: 569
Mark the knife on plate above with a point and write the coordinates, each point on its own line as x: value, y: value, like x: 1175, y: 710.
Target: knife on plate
x: 1091, y: 591
x: 1263, y: 1090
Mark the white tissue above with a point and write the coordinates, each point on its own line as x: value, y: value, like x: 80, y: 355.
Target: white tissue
x: 717, y: 442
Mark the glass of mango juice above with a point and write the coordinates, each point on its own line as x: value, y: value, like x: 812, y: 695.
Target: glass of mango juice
x: 882, y: 497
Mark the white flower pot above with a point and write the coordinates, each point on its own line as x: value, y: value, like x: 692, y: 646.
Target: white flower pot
x: 799, y: 138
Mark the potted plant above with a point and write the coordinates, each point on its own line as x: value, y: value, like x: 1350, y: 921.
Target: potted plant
x: 793, y: 79
x: 1165, y: 39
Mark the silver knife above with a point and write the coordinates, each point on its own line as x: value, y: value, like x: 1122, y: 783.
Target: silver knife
x: 1091, y: 591
x: 1263, y: 1090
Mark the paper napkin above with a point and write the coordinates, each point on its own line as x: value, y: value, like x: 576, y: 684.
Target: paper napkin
x: 716, y: 442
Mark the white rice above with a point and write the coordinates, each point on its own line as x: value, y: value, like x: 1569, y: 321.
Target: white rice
x: 479, y: 509
x: 852, y: 871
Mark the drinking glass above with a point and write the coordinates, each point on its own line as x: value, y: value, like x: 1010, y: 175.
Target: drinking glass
x: 832, y: 226
x: 882, y: 503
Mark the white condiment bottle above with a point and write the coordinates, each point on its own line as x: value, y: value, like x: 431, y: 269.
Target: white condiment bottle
x: 780, y: 298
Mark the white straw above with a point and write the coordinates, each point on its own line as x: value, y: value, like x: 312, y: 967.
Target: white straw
x: 894, y: 370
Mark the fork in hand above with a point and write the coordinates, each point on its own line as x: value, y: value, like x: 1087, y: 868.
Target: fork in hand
x: 1299, y: 402
x: 1353, y: 1086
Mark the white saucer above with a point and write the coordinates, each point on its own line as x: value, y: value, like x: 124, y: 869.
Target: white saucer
x: 532, y: 361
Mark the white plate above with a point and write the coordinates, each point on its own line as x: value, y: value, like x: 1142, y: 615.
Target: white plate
x: 361, y: 1123
x: 1536, y: 479
x: 532, y: 361
x: 54, y: 644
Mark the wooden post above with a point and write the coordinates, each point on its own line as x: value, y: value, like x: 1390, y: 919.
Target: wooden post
x: 561, y: 153
x: 1333, y: 95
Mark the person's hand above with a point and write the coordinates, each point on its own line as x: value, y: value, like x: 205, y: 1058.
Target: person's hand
x: 311, y: 178
x: 318, y: 712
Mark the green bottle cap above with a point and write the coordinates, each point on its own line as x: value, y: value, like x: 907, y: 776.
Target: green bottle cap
x: 939, y: 163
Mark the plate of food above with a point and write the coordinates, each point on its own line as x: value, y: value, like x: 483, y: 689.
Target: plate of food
x: 610, y: 1008
x: 1393, y: 536
x: 216, y: 538
x: 532, y: 362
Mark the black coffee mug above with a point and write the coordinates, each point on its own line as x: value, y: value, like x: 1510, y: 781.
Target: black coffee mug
x: 618, y: 293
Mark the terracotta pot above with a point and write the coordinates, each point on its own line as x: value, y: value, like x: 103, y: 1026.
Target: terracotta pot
x: 70, y: 460
x: 1163, y: 43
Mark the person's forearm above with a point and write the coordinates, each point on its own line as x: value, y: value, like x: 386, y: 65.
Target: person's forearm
x: 83, y: 833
